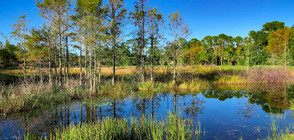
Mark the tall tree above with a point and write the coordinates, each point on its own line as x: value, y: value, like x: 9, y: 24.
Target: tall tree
x: 207, y: 42
x: 139, y: 17
x: 278, y: 44
x: 156, y: 23
x: 239, y: 48
x: 90, y: 20
x: 179, y: 30
x: 117, y: 13
x: 19, y: 32
x: 57, y: 12
x: 248, y: 42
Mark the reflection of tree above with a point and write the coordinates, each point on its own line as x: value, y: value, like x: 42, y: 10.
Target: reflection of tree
x: 141, y: 105
x: 222, y: 95
x: 90, y: 113
x: 155, y: 102
x: 272, y: 100
x: 147, y: 102
x: 194, y: 107
x: 114, y: 108
x: 175, y: 102
x: 248, y: 110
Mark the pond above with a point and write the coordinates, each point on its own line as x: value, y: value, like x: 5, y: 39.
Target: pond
x: 223, y: 112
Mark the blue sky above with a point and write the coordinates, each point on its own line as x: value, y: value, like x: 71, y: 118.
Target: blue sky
x: 204, y: 17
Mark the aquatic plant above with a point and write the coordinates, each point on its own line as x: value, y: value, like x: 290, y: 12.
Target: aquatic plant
x: 174, y: 128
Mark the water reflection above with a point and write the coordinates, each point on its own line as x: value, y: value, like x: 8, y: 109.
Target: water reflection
x: 223, y: 111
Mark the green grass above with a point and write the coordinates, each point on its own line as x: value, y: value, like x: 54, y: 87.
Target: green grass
x: 231, y: 80
x: 174, y: 128
x: 280, y: 133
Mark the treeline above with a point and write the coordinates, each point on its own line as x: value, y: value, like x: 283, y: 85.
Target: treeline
x: 94, y: 33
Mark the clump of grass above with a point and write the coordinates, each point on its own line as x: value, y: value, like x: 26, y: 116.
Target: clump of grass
x: 193, y: 85
x: 231, y: 80
x: 119, y: 89
x: 175, y: 128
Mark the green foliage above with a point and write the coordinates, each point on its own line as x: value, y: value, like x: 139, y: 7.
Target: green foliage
x: 8, y: 55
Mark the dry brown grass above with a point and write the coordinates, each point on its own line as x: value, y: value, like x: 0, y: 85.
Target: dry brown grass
x: 76, y: 71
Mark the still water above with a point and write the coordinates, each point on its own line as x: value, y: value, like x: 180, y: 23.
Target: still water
x: 224, y: 112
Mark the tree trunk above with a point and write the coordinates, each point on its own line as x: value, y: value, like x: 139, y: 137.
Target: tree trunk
x: 50, y: 71
x: 113, y: 70
x: 81, y: 67
x: 152, y: 57
x: 143, y: 46
x: 99, y: 63
x: 55, y: 62
x: 86, y: 62
x: 175, y: 72
x: 25, y: 65
x: 142, y: 66
x: 40, y: 72
x: 60, y: 59
x: 99, y: 74
x: 95, y: 71
x: 25, y: 55
x: 67, y: 58
x: 90, y: 69
x: 64, y: 63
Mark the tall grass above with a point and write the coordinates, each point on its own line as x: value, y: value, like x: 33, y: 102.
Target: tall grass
x: 174, y: 128
x: 280, y: 132
x: 29, y: 95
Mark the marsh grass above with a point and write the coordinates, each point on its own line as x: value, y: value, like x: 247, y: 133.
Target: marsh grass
x: 29, y: 96
x: 231, y: 80
x: 119, y: 89
x: 33, y: 94
x: 174, y: 128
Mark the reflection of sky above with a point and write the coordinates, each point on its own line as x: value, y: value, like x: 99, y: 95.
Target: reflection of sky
x: 228, y: 119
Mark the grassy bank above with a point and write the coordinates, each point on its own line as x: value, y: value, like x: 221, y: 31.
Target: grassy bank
x: 173, y: 128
